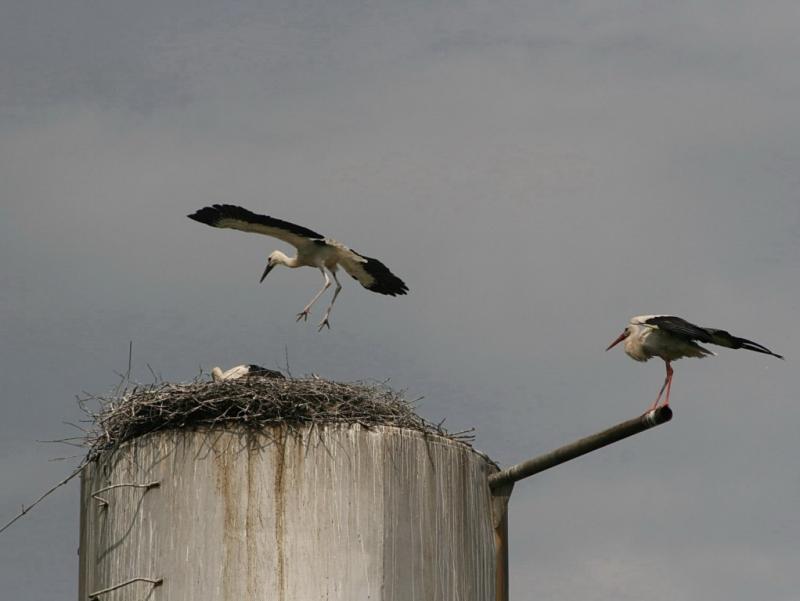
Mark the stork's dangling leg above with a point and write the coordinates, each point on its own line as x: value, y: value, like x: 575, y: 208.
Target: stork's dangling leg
x: 304, y: 313
x: 324, y: 321
x: 665, y: 385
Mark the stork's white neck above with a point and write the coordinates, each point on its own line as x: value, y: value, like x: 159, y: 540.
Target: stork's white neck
x: 282, y: 259
x: 635, y: 342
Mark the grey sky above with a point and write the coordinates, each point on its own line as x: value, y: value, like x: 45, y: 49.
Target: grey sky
x: 536, y: 172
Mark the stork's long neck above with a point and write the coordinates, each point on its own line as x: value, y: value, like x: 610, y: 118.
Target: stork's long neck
x: 634, y: 343
x: 286, y: 260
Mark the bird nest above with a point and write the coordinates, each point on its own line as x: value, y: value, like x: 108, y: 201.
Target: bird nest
x: 254, y: 403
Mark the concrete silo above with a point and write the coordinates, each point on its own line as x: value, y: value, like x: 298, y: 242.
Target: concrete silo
x: 334, y: 512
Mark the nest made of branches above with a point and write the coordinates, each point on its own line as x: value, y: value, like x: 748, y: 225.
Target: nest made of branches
x: 254, y: 402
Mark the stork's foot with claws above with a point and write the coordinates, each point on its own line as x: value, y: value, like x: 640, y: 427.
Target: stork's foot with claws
x: 303, y: 315
x: 322, y: 324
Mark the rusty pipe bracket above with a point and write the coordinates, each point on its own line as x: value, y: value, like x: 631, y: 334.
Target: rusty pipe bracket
x: 104, y: 503
x: 154, y: 581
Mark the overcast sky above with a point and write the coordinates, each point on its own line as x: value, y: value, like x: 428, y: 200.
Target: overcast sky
x: 537, y: 172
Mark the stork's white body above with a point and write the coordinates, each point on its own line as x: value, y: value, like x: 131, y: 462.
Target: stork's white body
x: 672, y: 338
x: 646, y: 341
x: 313, y: 250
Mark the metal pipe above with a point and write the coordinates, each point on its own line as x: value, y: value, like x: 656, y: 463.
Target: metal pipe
x: 581, y: 447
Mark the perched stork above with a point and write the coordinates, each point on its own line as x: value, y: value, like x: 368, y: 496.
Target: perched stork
x: 242, y: 371
x: 672, y: 338
x: 313, y: 250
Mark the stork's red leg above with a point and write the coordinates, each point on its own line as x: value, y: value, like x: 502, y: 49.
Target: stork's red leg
x: 658, y: 398
x: 669, y: 383
x: 666, y: 385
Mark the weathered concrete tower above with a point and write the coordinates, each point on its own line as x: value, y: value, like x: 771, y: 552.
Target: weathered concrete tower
x: 337, y: 512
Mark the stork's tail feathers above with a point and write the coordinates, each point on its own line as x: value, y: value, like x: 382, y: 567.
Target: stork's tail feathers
x: 723, y: 338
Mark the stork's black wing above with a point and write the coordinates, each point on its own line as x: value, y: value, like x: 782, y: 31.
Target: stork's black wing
x: 683, y: 328
x: 680, y: 327
x: 372, y: 274
x: 257, y: 370
x: 237, y: 218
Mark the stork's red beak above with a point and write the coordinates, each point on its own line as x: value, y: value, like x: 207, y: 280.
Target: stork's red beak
x: 621, y: 337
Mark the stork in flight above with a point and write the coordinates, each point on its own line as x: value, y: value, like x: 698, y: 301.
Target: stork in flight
x: 313, y: 250
x: 672, y: 338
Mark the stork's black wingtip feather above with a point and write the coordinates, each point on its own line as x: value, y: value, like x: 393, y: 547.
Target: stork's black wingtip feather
x: 753, y: 346
x: 206, y: 215
x: 389, y: 288
x: 384, y: 281
x: 401, y: 289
